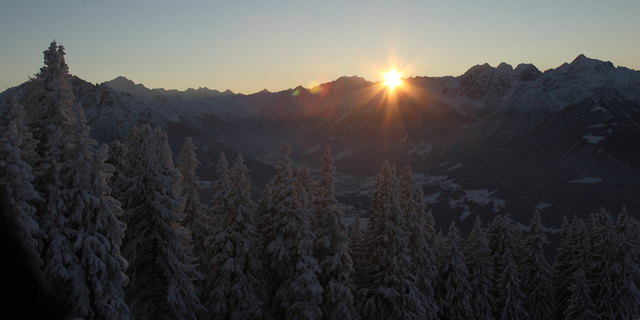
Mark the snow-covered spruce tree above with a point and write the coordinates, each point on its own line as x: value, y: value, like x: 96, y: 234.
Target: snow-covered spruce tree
x: 356, y: 251
x: 615, y: 283
x: 390, y: 290
x: 218, y: 205
x: 536, y: 272
x: 421, y: 234
x: 580, y: 306
x: 296, y: 291
x: 162, y: 267
x: 195, y: 215
x: 581, y: 249
x: 81, y: 254
x: 49, y: 103
x: 332, y: 246
x: 235, y: 285
x: 93, y: 215
x: 480, y: 265
x: 456, y: 294
x: 308, y: 189
x: 563, y: 269
x: 631, y: 235
x: 511, y: 302
x: 440, y: 250
x: 596, y: 233
x: 118, y: 159
x: 574, y: 254
x: 504, y: 244
x: 16, y: 179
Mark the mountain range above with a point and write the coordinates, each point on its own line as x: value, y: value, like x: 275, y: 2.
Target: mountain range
x: 508, y: 140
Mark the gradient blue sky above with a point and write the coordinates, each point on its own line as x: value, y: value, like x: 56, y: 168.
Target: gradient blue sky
x: 246, y: 46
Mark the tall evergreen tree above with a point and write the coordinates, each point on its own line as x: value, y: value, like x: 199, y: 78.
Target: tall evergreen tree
x: 118, y: 159
x: 421, y: 234
x: 195, y: 215
x: 81, y: 255
x: 617, y: 294
x: 356, y: 234
x: 390, y: 290
x: 504, y: 244
x: 580, y: 306
x: 93, y: 216
x: 511, y: 302
x: 296, y: 291
x: 480, y: 264
x: 563, y: 269
x: 162, y: 266
x: 16, y: 179
x: 536, y: 272
x: 235, y: 287
x: 356, y: 251
x: 49, y: 104
x: 456, y: 294
x: 308, y: 189
x: 331, y: 247
x: 440, y: 250
x: 218, y: 206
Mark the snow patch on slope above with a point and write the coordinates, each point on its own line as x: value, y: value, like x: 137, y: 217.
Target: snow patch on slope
x: 420, y: 148
x: 313, y: 149
x: 432, y: 198
x: 542, y: 205
x: 590, y: 138
x: 477, y: 196
x: 586, y: 180
x: 599, y: 109
x: 342, y: 154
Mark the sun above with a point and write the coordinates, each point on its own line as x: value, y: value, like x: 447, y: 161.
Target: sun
x: 392, y: 79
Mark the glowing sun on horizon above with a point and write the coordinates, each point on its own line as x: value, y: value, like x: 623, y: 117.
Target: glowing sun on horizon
x: 392, y: 79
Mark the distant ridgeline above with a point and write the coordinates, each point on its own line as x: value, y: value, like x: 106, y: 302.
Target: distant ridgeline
x: 119, y: 231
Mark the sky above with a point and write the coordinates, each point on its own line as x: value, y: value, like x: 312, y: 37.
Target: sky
x: 247, y: 46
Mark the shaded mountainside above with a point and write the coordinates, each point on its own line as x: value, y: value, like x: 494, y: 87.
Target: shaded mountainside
x: 576, y: 160
x: 111, y: 114
x: 493, y: 140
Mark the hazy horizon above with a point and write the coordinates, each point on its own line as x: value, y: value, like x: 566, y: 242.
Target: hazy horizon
x: 248, y: 47
x: 355, y: 75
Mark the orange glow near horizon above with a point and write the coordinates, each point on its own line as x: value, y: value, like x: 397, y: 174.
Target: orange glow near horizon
x: 392, y: 79
x: 396, y: 91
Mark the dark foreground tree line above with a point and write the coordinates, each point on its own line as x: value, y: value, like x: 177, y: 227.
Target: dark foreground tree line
x: 119, y: 232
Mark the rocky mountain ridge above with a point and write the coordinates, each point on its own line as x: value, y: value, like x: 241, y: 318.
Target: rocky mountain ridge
x: 493, y: 140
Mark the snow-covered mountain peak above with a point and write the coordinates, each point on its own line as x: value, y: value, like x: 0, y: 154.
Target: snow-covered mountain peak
x: 201, y: 91
x: 262, y: 92
x: 478, y: 70
x: 583, y: 63
x: 504, y: 68
x: 580, y: 57
x: 352, y: 82
x: 124, y: 84
x: 122, y: 80
x: 526, y: 72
